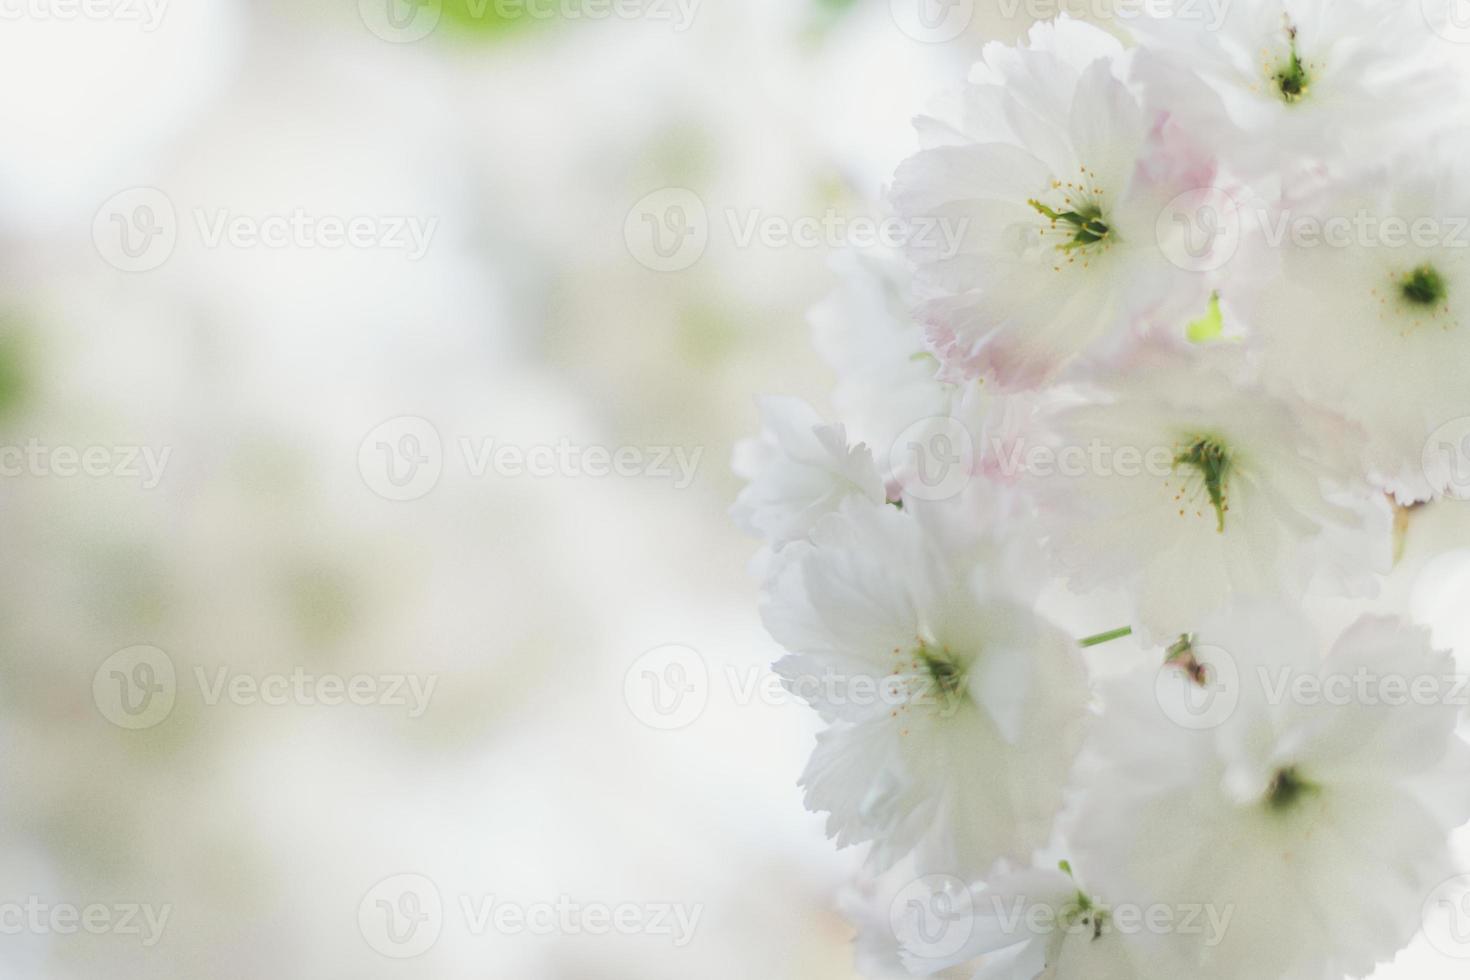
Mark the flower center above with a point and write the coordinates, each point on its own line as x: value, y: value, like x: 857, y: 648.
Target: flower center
x: 1082, y: 913
x: 1181, y: 654
x: 1423, y: 286
x: 944, y: 669
x: 1210, y: 461
x: 1288, y: 790
x: 1291, y: 78
x: 1084, y: 222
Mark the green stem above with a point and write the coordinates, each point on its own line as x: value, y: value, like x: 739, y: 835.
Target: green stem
x: 1117, y: 634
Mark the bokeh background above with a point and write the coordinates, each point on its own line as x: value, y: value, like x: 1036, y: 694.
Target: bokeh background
x: 322, y: 509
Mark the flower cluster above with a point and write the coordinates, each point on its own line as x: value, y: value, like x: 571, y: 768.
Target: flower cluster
x: 1138, y: 391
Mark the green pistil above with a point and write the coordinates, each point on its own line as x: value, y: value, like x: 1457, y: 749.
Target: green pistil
x: 1210, y: 326
x: 949, y: 677
x: 1288, y: 789
x: 1292, y: 80
x: 1210, y: 458
x: 1090, y: 228
x: 1424, y: 286
x: 1083, y: 912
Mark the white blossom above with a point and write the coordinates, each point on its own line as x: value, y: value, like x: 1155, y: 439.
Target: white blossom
x: 954, y: 711
x: 1186, y: 483
x: 1280, y: 87
x: 1058, y: 178
x: 1306, y: 790
x: 1369, y: 312
x: 799, y: 469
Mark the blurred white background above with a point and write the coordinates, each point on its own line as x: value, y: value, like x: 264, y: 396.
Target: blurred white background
x: 324, y: 642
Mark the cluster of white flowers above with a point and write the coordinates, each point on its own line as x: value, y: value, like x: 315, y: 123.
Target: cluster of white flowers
x: 1195, y: 358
